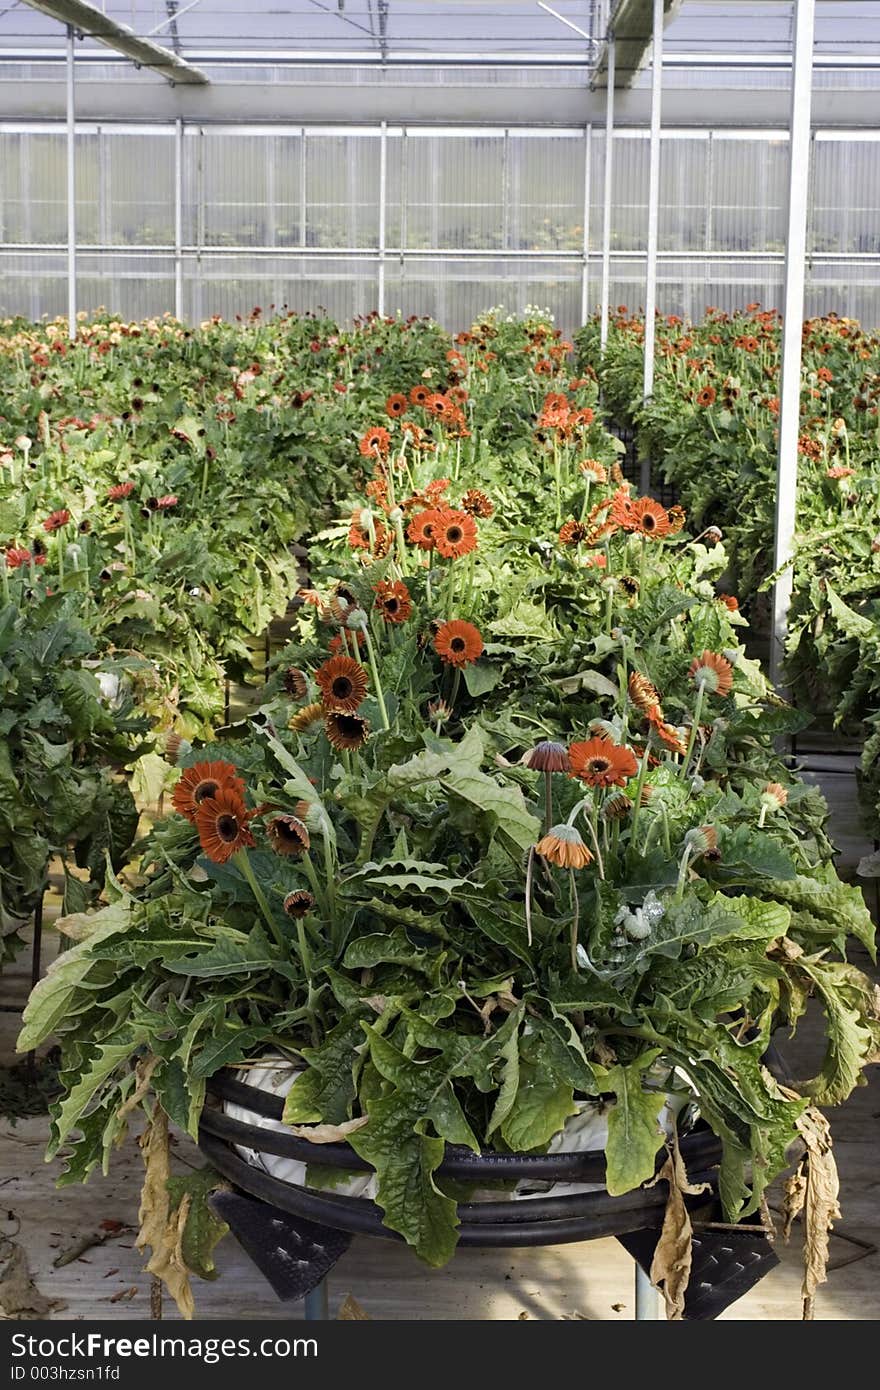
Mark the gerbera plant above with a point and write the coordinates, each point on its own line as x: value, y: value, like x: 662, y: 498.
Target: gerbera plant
x: 508, y: 840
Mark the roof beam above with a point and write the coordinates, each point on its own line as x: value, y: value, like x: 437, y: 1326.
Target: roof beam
x: 632, y: 26
x: 87, y: 19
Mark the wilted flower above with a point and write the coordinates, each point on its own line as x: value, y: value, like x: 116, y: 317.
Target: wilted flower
x: 563, y: 845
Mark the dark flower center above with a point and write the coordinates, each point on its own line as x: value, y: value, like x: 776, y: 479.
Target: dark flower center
x: 227, y: 827
x: 599, y: 764
x: 348, y: 725
x: 287, y: 832
x: 392, y: 605
x: 342, y: 688
x: 205, y: 789
x: 649, y: 522
x: 454, y: 534
x: 457, y: 644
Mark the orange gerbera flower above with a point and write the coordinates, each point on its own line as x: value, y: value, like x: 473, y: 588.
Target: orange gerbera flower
x: 677, y: 519
x: 305, y: 717
x: 342, y: 682
x: 222, y: 823
x: 601, y: 763
x: 564, y: 846
x: 455, y: 534
x: 573, y: 532
x: 420, y: 395
x: 458, y: 643
x: 643, y: 693
x: 477, y: 503
x: 670, y: 736
x: 375, y: 441
x: 202, y: 781
x: 620, y: 514
x: 55, y: 520
x: 393, y: 598
x: 706, y: 397
x: 396, y: 405
x: 649, y: 518
x: 421, y: 528
x: 713, y: 673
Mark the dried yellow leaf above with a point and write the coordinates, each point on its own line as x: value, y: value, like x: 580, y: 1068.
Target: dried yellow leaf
x: 671, y: 1265
x: 812, y: 1190
x: 160, y: 1229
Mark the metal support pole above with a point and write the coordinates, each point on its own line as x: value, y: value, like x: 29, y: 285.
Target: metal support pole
x: 383, y: 212
x: 585, y: 274
x: 607, y: 194
x: 71, y: 185
x: 315, y: 1304
x: 653, y: 221
x: 792, y: 328
x: 647, y: 1298
x: 178, y: 219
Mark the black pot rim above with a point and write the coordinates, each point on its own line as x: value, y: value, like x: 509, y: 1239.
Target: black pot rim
x: 700, y: 1149
x: 532, y: 1222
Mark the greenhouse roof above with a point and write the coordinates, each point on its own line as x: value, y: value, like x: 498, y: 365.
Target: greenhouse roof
x: 453, y: 30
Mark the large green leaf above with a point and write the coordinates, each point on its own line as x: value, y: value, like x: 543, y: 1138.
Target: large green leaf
x: 634, y: 1135
x: 49, y: 1001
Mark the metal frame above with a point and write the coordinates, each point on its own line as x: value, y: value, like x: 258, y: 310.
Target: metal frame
x: 71, y: 182
x: 653, y: 220
x: 608, y: 190
x: 792, y: 331
x: 87, y: 19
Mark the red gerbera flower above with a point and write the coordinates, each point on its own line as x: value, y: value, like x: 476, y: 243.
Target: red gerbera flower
x: 119, y: 490
x: 56, y: 520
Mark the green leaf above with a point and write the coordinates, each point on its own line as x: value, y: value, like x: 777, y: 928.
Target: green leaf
x: 540, y: 1108
x: 850, y: 623
x: 50, y: 1000
x: 634, y: 1134
x: 481, y: 677
x: 405, y: 1160
x: 202, y: 1229
x: 851, y: 1042
x: 104, y: 1060
x: 504, y: 805
x: 508, y: 1046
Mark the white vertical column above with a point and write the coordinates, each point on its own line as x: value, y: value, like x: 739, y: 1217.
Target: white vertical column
x: 178, y: 219
x: 383, y: 212
x: 71, y: 185
x: 792, y: 329
x: 585, y: 274
x: 607, y: 193
x: 653, y: 220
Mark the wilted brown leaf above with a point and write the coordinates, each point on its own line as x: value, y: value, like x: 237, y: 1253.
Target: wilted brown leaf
x: 161, y: 1229
x: 351, y: 1311
x: 671, y: 1265
x: 328, y: 1134
x: 812, y: 1190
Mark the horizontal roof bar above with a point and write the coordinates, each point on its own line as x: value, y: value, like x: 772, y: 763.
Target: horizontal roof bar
x: 87, y: 19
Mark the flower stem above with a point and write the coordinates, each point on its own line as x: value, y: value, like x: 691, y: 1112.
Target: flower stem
x: 241, y: 861
x: 575, y: 919
x: 698, y: 711
x: 548, y: 799
x: 374, y: 669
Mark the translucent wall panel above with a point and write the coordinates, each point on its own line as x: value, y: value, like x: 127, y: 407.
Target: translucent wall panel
x: 544, y: 193
x: 456, y: 291
x: 846, y: 196
x: 749, y: 193
x: 453, y: 191
x: 32, y: 285
x: 133, y: 286
x: 688, y: 286
x: 231, y: 285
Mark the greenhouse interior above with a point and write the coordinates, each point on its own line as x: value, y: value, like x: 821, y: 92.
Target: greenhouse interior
x: 440, y: 662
